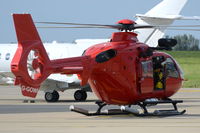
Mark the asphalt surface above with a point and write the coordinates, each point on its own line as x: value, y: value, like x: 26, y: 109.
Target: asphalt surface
x: 19, y: 117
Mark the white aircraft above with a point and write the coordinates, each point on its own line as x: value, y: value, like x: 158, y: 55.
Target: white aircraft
x: 162, y: 14
x: 56, y: 82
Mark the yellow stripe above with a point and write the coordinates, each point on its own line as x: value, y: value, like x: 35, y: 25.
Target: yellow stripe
x: 189, y: 91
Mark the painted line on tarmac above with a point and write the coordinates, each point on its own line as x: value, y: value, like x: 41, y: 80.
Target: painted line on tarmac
x: 189, y: 91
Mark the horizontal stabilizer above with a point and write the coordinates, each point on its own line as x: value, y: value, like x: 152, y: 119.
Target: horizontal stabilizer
x: 72, y: 70
x: 169, y: 17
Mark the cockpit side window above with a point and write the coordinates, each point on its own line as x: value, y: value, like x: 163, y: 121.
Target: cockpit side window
x: 171, y: 69
x: 147, y: 68
x: 7, y: 56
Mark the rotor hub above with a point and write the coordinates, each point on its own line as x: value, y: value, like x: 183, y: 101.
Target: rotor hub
x: 126, y: 25
x: 126, y: 22
x: 35, y: 64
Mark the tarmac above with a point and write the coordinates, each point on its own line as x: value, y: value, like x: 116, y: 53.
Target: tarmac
x: 42, y: 117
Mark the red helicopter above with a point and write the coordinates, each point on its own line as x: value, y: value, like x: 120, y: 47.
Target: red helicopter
x: 120, y: 72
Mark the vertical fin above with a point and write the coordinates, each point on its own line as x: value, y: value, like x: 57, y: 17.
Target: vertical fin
x: 158, y: 15
x: 167, y: 7
x: 29, y: 40
x: 25, y: 28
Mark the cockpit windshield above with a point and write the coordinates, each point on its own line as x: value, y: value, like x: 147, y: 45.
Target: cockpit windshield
x: 171, y: 68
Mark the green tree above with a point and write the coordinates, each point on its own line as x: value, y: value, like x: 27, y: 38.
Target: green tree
x: 186, y: 43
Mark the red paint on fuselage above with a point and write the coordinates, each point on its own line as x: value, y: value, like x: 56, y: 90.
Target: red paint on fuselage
x: 114, y: 69
x: 116, y: 81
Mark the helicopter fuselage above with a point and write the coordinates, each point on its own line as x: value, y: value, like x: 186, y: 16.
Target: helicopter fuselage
x: 122, y: 71
x: 121, y: 76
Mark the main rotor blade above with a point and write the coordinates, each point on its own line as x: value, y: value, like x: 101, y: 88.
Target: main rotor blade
x: 143, y: 26
x: 116, y: 26
x: 171, y: 26
x: 60, y: 27
x: 62, y: 23
x: 72, y: 24
x: 183, y: 29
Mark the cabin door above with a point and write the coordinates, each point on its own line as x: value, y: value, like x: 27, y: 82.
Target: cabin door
x: 146, y: 76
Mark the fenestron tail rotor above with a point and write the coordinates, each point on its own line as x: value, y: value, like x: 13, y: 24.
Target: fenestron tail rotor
x: 33, y: 65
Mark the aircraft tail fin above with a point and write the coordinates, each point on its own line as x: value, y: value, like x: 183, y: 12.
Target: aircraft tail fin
x: 164, y: 13
x: 29, y: 71
x: 31, y: 64
x: 167, y: 7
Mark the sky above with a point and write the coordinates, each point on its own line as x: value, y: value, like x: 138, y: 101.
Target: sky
x: 82, y: 11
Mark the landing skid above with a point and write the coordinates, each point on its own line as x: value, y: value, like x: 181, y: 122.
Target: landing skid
x: 172, y: 112
x: 99, y: 110
x: 129, y: 110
